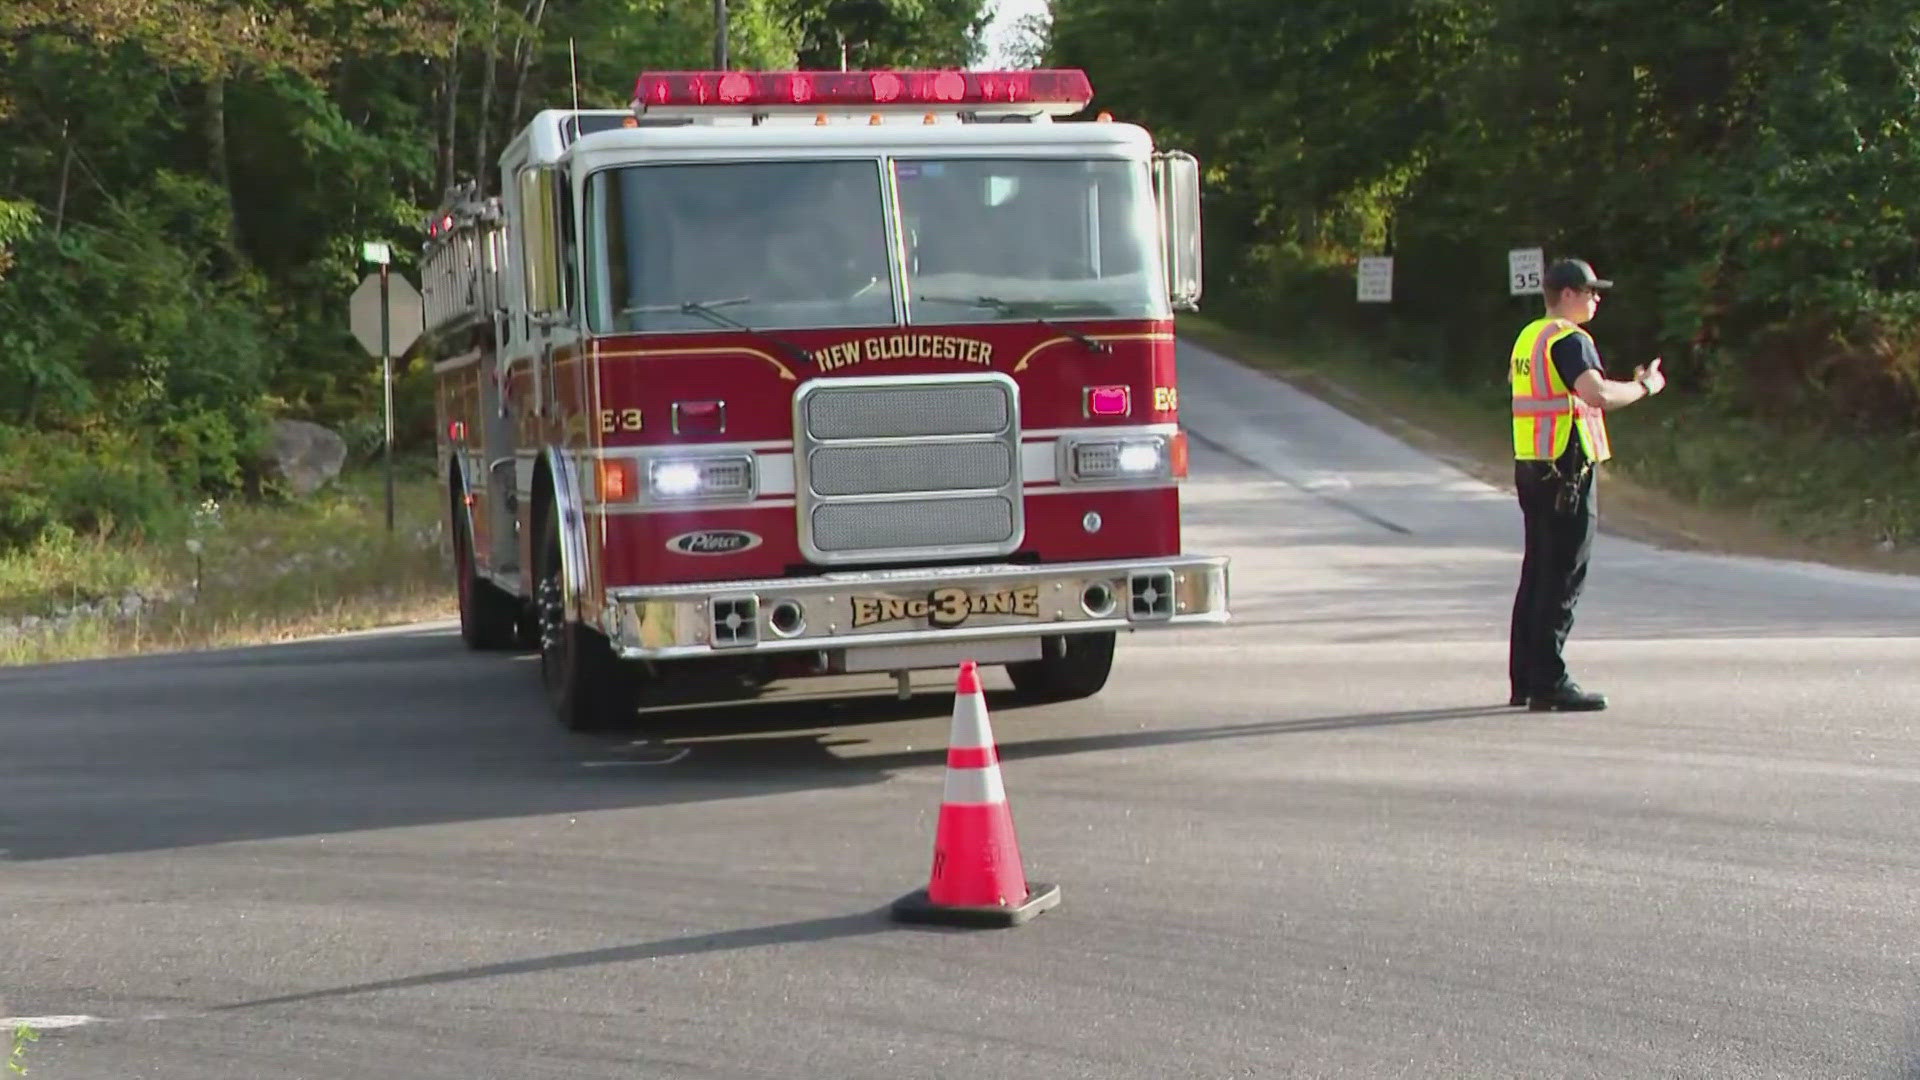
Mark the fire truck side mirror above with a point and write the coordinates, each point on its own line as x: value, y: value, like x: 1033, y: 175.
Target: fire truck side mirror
x: 539, y: 250
x: 1176, y: 189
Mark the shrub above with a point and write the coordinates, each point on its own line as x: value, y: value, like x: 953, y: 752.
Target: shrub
x: 60, y: 482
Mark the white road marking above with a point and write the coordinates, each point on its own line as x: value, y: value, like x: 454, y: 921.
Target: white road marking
x: 663, y: 756
x: 46, y: 1023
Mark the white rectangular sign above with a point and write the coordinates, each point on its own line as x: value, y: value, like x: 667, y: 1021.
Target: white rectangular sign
x: 1376, y: 279
x: 1524, y: 267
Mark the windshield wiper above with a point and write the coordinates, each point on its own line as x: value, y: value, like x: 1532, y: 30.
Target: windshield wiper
x: 707, y: 309
x: 1012, y: 310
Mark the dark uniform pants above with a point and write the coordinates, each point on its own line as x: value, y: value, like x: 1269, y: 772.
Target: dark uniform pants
x: 1560, y: 519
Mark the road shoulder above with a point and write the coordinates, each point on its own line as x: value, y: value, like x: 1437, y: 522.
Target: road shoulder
x: 1471, y: 440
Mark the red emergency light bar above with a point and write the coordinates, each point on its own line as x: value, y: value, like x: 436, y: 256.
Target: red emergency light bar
x: 820, y: 89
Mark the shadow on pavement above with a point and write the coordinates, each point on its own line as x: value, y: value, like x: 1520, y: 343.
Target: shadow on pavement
x: 411, y: 729
x: 727, y: 753
x: 832, y: 928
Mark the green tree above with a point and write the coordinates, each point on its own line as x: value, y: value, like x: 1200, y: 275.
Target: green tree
x: 863, y: 34
x: 1750, y: 167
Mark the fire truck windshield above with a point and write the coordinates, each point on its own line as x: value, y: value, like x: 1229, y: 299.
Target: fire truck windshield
x: 1030, y: 238
x: 799, y: 243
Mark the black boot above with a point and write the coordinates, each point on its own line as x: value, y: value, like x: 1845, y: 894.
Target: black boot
x: 1568, y: 697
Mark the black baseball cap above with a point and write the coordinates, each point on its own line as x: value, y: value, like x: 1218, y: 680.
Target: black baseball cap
x: 1572, y: 274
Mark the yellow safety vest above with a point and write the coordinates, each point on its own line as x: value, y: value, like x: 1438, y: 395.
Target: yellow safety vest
x: 1545, y: 409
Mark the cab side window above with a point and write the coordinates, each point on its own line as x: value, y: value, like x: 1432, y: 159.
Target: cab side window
x: 568, y: 241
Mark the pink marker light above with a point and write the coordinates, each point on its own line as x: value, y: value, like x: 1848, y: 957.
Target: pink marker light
x: 1109, y: 401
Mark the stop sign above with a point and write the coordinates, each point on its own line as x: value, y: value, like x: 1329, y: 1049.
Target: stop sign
x: 406, y: 319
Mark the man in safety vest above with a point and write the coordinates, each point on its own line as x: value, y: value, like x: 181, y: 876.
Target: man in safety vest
x: 1560, y: 398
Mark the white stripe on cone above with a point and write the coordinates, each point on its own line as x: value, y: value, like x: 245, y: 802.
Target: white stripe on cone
x: 970, y: 728
x: 975, y: 785
x: 972, y: 731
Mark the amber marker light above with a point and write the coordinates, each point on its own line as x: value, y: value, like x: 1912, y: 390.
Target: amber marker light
x: 618, y: 480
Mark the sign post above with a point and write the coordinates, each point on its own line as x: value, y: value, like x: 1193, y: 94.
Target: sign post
x: 386, y: 315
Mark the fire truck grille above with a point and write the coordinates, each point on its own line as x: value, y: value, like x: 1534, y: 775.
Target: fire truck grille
x: 905, y: 412
x: 898, y: 470
x: 841, y: 527
x: 856, y: 470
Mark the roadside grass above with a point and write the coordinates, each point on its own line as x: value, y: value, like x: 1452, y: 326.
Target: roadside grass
x: 264, y: 572
x: 1684, y: 475
x: 17, y: 1059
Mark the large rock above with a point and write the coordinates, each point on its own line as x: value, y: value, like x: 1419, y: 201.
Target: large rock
x: 305, y: 456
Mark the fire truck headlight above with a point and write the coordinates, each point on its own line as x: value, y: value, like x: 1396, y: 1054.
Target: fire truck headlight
x: 674, y: 478
x: 700, y: 478
x: 1121, y: 459
x: 1139, y: 458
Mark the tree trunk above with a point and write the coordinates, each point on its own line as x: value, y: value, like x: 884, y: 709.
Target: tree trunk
x: 66, y: 172
x: 215, y: 134
x: 450, y: 99
x: 523, y: 59
x: 484, y: 125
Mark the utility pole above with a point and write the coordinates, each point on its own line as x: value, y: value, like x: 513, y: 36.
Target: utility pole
x: 720, y: 35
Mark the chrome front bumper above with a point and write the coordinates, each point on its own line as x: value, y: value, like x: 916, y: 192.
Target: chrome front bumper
x: 913, y: 606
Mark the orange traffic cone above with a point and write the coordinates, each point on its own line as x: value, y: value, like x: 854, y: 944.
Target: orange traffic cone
x: 976, y: 879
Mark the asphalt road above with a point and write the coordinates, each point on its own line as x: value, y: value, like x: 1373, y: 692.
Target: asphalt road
x: 1313, y: 844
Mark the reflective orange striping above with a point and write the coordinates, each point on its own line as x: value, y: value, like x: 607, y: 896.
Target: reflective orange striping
x: 1595, y: 422
x: 1542, y: 361
x: 1545, y: 435
x: 1553, y: 404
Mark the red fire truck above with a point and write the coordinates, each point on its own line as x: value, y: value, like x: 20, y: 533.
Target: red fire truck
x: 779, y: 375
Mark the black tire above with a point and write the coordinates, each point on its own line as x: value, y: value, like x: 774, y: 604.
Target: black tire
x: 490, y: 619
x: 1078, y: 670
x: 587, y: 689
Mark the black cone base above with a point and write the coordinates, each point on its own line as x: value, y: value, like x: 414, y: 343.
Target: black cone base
x: 915, y: 907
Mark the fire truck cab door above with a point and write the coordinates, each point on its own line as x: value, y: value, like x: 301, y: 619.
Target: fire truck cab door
x: 513, y: 413
x: 499, y: 457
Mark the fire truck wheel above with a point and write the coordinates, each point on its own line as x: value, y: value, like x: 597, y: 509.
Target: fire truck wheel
x: 1078, y: 670
x: 489, y: 618
x: 586, y: 686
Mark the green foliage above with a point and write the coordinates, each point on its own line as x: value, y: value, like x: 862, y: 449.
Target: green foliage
x: 886, y: 33
x: 54, y: 484
x: 118, y: 338
x: 1749, y: 173
x: 185, y: 185
x: 258, y: 572
x: 22, y: 1037
x: 16, y: 221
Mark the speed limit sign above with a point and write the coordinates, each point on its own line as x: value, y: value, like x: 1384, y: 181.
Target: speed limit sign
x: 1524, y: 267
